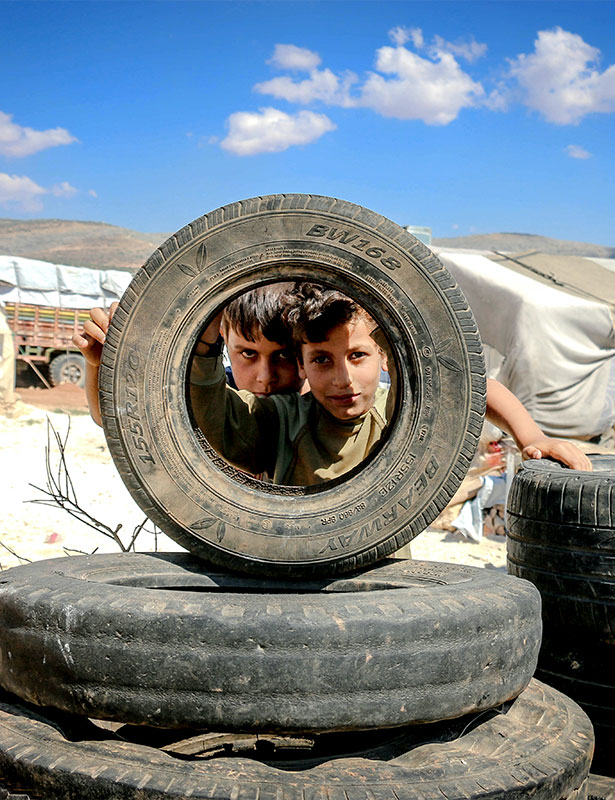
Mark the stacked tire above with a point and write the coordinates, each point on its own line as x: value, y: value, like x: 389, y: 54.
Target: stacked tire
x: 285, y: 656
x: 561, y: 537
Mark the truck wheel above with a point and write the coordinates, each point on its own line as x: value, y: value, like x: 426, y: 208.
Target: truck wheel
x: 68, y: 368
x: 539, y: 746
x: 226, y: 516
x: 158, y: 639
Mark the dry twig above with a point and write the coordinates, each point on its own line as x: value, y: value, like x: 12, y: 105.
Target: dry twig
x: 60, y: 492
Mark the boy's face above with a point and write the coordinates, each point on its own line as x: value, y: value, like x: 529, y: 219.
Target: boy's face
x: 344, y: 370
x: 262, y: 367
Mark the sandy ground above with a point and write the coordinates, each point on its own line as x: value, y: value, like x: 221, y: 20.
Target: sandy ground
x: 32, y: 531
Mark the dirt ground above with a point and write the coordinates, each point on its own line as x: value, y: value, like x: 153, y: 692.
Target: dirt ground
x: 30, y: 530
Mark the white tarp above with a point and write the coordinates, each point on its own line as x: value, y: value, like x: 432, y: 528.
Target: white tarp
x: 26, y: 280
x: 559, y: 349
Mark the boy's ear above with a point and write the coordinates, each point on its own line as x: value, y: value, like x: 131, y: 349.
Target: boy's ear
x: 384, y: 361
x: 300, y: 369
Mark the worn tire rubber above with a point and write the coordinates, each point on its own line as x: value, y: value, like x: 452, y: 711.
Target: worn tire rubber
x: 401, y: 643
x: 540, y: 746
x: 222, y: 514
x: 68, y: 368
x: 561, y: 536
x: 585, y: 671
x: 600, y: 787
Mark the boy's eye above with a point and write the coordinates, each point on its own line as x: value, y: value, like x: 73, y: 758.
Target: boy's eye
x: 320, y: 360
x: 358, y: 354
x: 248, y: 354
x: 284, y: 355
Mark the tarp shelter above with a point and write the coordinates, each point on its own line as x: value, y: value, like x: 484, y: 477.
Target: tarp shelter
x: 552, y: 320
x: 25, y: 280
x: 7, y: 365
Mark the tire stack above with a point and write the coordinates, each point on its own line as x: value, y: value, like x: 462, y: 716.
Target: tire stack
x: 561, y: 537
x: 288, y: 664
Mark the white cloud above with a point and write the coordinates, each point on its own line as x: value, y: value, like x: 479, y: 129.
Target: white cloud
x: 561, y: 80
x: 400, y: 35
x: 471, y: 50
x: 575, y: 151
x: 431, y: 90
x: 271, y: 131
x: 18, y: 141
x: 20, y: 191
x: 92, y: 192
x: 289, y: 56
x: 322, y: 85
x: 63, y: 189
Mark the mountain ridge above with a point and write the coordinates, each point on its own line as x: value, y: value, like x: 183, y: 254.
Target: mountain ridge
x: 99, y: 245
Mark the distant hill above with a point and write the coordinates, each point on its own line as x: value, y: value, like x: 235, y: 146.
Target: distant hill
x: 524, y: 242
x: 102, y: 246
x: 77, y: 244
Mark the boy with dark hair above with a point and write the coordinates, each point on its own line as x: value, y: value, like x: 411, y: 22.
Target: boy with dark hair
x: 308, y: 439
x: 300, y: 439
x: 258, y: 344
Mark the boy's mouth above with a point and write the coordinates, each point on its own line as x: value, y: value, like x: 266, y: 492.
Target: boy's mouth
x: 343, y: 399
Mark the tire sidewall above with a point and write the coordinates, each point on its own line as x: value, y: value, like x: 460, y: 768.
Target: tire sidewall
x: 212, y: 508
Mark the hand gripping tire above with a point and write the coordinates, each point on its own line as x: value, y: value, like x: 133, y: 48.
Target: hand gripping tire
x: 217, y: 512
x: 540, y: 747
x: 154, y: 639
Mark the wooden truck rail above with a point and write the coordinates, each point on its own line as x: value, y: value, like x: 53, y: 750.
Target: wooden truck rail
x: 43, y: 334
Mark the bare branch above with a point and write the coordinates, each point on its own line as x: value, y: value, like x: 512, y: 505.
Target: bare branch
x: 13, y: 553
x: 60, y: 492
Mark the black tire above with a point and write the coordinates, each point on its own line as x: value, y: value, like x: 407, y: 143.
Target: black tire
x: 539, y: 747
x: 68, y: 368
x: 561, y: 536
x: 585, y: 671
x: 217, y: 512
x: 155, y: 639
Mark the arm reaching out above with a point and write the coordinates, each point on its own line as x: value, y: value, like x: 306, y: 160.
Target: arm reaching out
x: 505, y: 411
x: 90, y: 342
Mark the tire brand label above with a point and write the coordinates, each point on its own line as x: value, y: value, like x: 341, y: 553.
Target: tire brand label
x: 371, y: 249
x: 372, y: 529
x: 419, y: 485
x: 137, y: 433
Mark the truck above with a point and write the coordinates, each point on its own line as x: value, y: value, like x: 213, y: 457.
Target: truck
x: 43, y: 335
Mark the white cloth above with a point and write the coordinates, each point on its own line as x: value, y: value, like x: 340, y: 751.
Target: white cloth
x: 559, y: 349
x: 25, y: 280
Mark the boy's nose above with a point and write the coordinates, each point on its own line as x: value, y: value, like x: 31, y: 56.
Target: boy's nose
x: 342, y: 376
x: 265, y: 374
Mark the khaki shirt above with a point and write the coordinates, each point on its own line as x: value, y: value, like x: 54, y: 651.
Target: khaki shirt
x: 291, y: 437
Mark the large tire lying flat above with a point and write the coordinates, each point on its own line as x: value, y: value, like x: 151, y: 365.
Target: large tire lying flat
x: 561, y: 536
x: 540, y: 747
x: 222, y: 514
x: 155, y: 639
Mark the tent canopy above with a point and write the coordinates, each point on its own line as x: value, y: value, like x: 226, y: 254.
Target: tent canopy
x: 551, y: 318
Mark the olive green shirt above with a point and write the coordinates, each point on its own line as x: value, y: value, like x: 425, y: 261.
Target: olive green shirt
x: 291, y: 437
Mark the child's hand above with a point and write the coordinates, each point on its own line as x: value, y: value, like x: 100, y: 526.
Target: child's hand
x: 209, y: 336
x: 566, y: 452
x: 90, y: 342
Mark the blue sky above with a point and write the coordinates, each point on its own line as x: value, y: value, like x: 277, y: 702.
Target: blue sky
x: 464, y: 116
